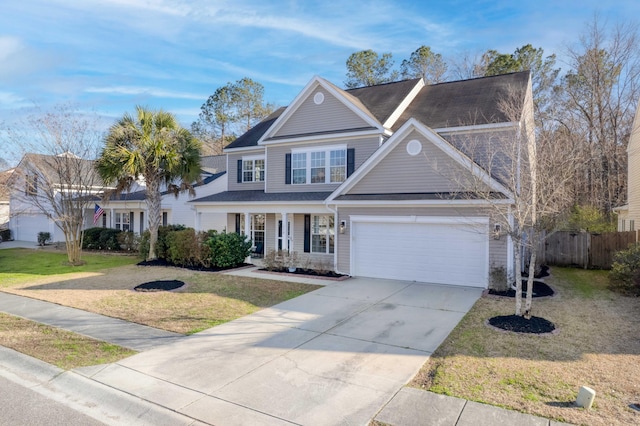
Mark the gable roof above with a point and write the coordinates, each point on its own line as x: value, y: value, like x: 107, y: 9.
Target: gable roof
x: 465, y: 102
x: 411, y: 125
x: 444, y: 105
x: 370, y: 121
x: 68, y: 163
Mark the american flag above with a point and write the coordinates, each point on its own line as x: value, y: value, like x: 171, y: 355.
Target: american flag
x: 97, y: 213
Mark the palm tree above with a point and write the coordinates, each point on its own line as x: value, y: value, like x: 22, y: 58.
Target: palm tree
x: 154, y: 146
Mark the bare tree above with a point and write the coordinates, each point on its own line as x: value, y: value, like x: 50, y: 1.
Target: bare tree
x: 597, y: 105
x: 533, y: 168
x: 56, y: 175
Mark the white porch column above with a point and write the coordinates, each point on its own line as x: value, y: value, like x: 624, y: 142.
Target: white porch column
x: 197, y: 220
x: 247, y: 224
x: 111, y: 218
x: 285, y: 232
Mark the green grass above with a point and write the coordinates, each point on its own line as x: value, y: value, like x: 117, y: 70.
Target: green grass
x: 586, y: 283
x: 19, y: 266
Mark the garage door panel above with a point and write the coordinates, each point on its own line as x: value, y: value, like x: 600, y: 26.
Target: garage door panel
x: 443, y: 253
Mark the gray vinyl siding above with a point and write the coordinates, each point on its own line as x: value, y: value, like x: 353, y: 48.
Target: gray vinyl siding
x: 276, y: 170
x: 232, y: 173
x: 497, y: 248
x: 432, y: 170
x: 488, y: 149
x: 633, y: 180
x: 328, y: 116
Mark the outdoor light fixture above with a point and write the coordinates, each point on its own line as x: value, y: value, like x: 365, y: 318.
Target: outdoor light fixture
x: 496, y: 231
x: 343, y: 226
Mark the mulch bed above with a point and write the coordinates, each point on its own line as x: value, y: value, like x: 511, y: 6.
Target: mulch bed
x: 164, y: 262
x: 540, y: 289
x: 519, y: 324
x: 308, y: 272
x: 160, y: 285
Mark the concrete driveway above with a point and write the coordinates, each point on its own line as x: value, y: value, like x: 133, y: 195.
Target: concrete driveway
x: 333, y: 356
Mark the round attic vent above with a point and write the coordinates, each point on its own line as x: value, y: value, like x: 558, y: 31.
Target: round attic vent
x: 318, y: 98
x: 414, y: 147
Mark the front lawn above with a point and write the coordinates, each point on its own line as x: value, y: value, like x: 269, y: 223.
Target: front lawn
x: 208, y: 299
x: 59, y: 347
x: 18, y: 266
x: 597, y: 345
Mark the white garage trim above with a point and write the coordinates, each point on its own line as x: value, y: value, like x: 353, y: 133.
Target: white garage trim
x: 411, y: 246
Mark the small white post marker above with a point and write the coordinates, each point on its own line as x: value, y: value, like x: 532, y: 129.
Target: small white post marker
x: 585, y: 398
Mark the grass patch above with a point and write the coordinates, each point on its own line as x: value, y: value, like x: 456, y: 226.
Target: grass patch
x: 62, y: 348
x: 18, y: 266
x: 208, y: 299
x: 597, y: 345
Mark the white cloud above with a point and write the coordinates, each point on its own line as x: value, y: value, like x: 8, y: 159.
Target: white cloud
x: 138, y: 90
x: 10, y: 100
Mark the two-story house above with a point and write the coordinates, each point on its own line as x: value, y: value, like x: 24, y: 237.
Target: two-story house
x: 629, y: 214
x: 363, y: 181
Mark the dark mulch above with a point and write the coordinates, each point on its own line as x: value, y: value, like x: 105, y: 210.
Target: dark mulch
x: 540, y: 289
x: 164, y: 262
x: 160, y: 285
x: 303, y: 271
x: 519, y: 324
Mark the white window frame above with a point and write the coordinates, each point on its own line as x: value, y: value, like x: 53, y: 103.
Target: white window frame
x: 255, y: 177
x: 326, y: 159
x: 120, y: 221
x: 329, y: 233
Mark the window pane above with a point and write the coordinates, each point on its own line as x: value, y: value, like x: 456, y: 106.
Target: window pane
x: 247, y: 171
x: 338, y: 163
x: 259, y: 170
x: 317, y: 159
x: 299, y: 168
x: 299, y: 176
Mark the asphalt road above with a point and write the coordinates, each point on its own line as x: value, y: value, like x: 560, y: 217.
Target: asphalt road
x: 22, y: 406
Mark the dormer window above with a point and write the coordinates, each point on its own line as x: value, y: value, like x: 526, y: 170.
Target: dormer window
x: 328, y: 165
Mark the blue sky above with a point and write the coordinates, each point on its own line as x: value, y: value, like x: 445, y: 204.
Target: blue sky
x: 108, y: 56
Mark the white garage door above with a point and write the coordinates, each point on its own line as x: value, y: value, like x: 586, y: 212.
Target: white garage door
x: 28, y: 227
x: 427, y: 249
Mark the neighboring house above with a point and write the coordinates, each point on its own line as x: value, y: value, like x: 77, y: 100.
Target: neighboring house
x: 126, y: 211
x: 629, y: 214
x: 356, y: 180
x: 4, y: 198
x: 36, y: 181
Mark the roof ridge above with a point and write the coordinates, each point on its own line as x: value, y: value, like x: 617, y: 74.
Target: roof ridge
x: 479, y: 78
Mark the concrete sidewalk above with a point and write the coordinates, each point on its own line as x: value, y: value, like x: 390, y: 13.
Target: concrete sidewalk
x: 341, y: 354
x: 123, y: 333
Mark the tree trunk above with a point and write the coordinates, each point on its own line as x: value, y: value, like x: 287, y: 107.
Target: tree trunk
x: 518, y: 267
x: 154, y: 205
x: 532, y: 272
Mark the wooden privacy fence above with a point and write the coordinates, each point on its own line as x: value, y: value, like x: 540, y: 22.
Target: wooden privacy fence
x: 584, y: 249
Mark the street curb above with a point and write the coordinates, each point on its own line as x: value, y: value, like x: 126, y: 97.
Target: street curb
x: 84, y: 395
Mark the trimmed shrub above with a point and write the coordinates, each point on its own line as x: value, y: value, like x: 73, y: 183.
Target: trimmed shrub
x: 161, y: 244
x: 182, y: 247
x: 228, y: 250
x: 128, y: 241
x: 108, y: 239
x: 5, y: 234
x: 91, y: 239
x: 43, y: 238
x: 143, y: 247
x: 625, y: 271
